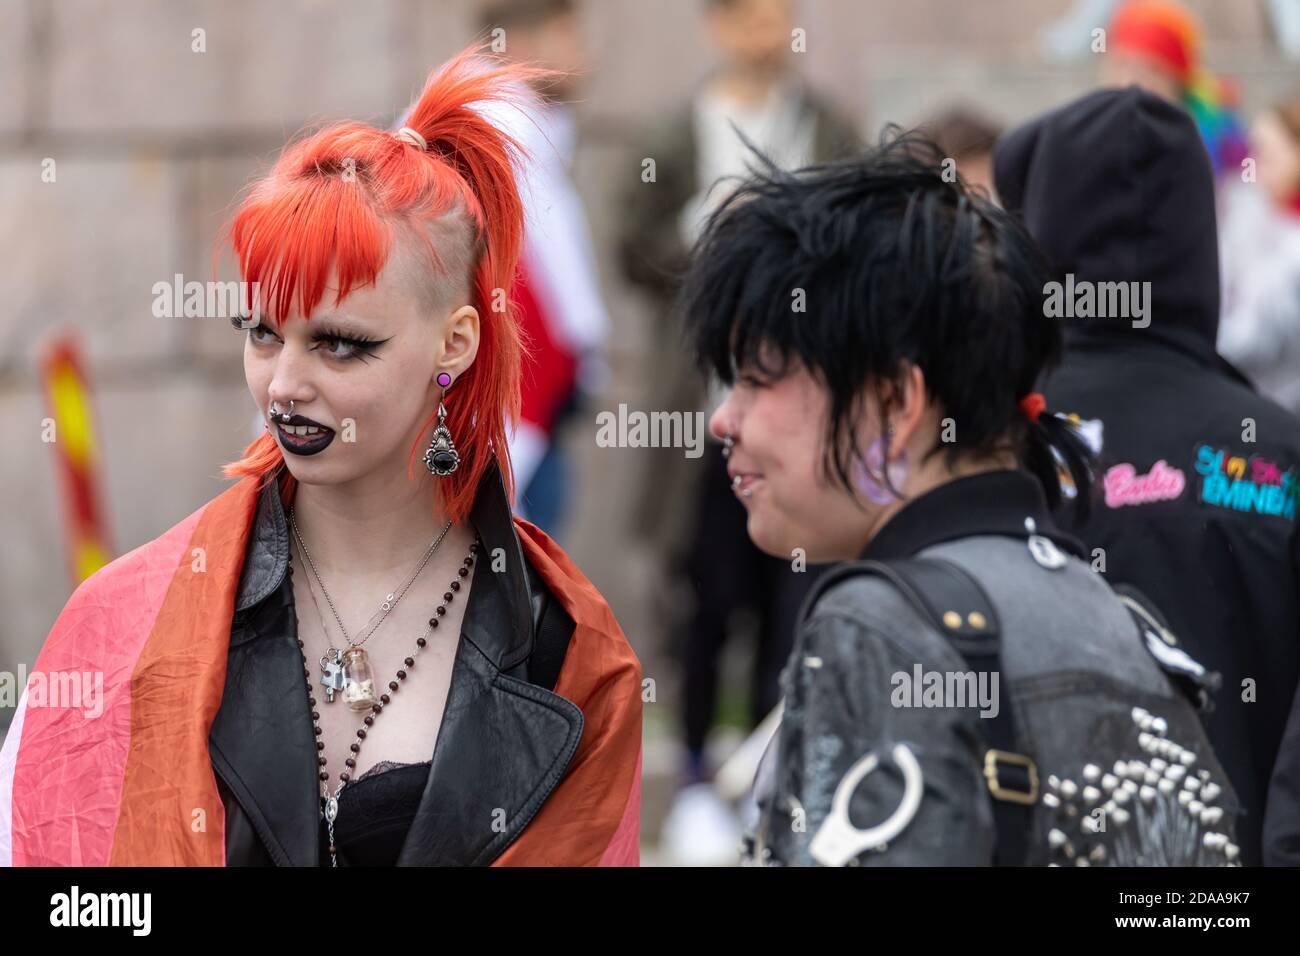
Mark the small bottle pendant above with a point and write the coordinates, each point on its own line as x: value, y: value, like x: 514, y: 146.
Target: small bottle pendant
x: 358, y: 680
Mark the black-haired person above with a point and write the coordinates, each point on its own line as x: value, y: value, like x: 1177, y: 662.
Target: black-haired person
x: 755, y: 91
x: 974, y: 693
x: 1197, y: 486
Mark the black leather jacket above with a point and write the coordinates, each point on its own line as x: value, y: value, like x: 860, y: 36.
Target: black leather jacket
x: 493, y: 751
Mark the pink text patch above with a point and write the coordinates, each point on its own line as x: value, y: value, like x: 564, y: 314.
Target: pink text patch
x: 1124, y: 486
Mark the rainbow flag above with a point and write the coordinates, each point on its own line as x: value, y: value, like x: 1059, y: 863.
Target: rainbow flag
x: 106, y: 762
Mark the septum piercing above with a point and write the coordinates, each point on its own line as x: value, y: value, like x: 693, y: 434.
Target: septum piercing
x: 282, y: 417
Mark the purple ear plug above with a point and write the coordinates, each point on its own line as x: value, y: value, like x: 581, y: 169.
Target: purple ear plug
x: 444, y: 379
x: 873, y: 490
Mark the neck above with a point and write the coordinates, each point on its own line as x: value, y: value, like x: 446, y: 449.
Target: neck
x: 747, y: 87
x: 369, y: 526
x: 934, y: 473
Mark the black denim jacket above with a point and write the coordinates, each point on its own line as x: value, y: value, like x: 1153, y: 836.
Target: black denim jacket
x: 1095, y: 711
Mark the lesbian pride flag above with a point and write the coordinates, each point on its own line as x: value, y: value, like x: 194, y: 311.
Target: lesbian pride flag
x: 129, y: 782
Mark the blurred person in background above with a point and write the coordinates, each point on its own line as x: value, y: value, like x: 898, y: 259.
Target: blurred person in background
x: 1156, y: 44
x: 1199, y: 476
x: 557, y: 293
x: 1260, y: 245
x: 967, y: 137
x: 686, y: 509
x: 896, y: 423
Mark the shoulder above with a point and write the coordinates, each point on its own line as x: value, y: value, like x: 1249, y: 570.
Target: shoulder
x: 125, y: 595
x: 137, y: 568
x: 858, y: 610
x: 595, y: 631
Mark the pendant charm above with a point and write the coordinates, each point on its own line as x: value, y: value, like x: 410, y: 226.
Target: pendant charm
x: 332, y: 671
x: 441, y: 457
x: 331, y: 809
x: 358, y: 680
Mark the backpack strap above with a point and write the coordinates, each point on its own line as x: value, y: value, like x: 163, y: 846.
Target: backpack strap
x: 1187, y: 674
x: 957, y: 606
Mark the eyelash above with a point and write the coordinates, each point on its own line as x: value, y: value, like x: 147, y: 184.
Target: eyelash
x: 362, y: 347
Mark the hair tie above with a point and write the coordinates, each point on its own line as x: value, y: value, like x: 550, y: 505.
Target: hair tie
x: 412, y: 137
x: 1032, y: 405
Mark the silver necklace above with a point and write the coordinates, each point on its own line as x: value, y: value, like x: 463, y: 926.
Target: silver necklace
x: 349, y: 671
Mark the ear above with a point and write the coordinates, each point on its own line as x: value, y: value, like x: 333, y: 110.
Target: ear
x: 907, y: 407
x: 459, y: 345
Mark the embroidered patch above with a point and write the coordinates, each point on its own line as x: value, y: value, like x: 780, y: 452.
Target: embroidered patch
x: 1124, y: 486
x: 1246, y: 484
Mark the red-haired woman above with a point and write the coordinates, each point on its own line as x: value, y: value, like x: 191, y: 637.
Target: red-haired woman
x: 354, y: 655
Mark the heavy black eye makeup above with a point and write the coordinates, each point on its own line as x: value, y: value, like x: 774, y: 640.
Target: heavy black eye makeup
x: 356, y: 347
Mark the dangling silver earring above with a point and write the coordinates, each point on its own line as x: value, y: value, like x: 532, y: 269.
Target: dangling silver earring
x: 441, y: 457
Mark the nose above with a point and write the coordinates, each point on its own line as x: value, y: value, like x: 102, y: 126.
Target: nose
x: 723, y: 421
x: 291, y: 381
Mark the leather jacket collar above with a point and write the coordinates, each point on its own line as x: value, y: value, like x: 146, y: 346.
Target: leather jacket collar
x: 991, y: 502
x: 503, y: 746
x: 268, y: 560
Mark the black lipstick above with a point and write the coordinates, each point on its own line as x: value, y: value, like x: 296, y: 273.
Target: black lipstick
x: 302, y: 444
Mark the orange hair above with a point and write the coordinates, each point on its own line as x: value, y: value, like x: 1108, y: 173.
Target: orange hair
x: 338, y: 198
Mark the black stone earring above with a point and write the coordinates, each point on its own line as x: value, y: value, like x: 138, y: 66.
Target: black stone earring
x: 441, y: 457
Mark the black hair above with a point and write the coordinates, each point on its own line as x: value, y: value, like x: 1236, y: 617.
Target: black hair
x: 893, y: 262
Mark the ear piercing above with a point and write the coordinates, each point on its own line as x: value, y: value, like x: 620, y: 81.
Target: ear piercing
x: 441, y: 457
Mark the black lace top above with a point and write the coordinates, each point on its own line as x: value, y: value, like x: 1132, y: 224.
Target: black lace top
x: 375, y: 814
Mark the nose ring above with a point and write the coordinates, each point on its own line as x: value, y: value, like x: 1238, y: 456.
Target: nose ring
x: 727, y: 442
x: 283, y: 417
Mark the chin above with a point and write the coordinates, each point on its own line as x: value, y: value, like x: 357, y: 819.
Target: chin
x: 768, y: 539
x: 319, y: 469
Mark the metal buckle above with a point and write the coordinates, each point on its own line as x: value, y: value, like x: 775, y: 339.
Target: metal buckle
x: 991, y: 760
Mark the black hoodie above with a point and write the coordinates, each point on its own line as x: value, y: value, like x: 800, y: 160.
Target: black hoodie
x: 1199, y: 478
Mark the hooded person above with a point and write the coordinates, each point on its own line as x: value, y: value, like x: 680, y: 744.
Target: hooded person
x: 1198, y: 476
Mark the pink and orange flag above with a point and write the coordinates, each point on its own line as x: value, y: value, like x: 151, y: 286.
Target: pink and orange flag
x: 106, y: 784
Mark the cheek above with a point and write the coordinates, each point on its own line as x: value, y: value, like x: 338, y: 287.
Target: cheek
x: 258, y: 370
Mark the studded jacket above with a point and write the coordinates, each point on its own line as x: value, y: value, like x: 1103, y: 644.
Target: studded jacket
x: 881, y: 760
